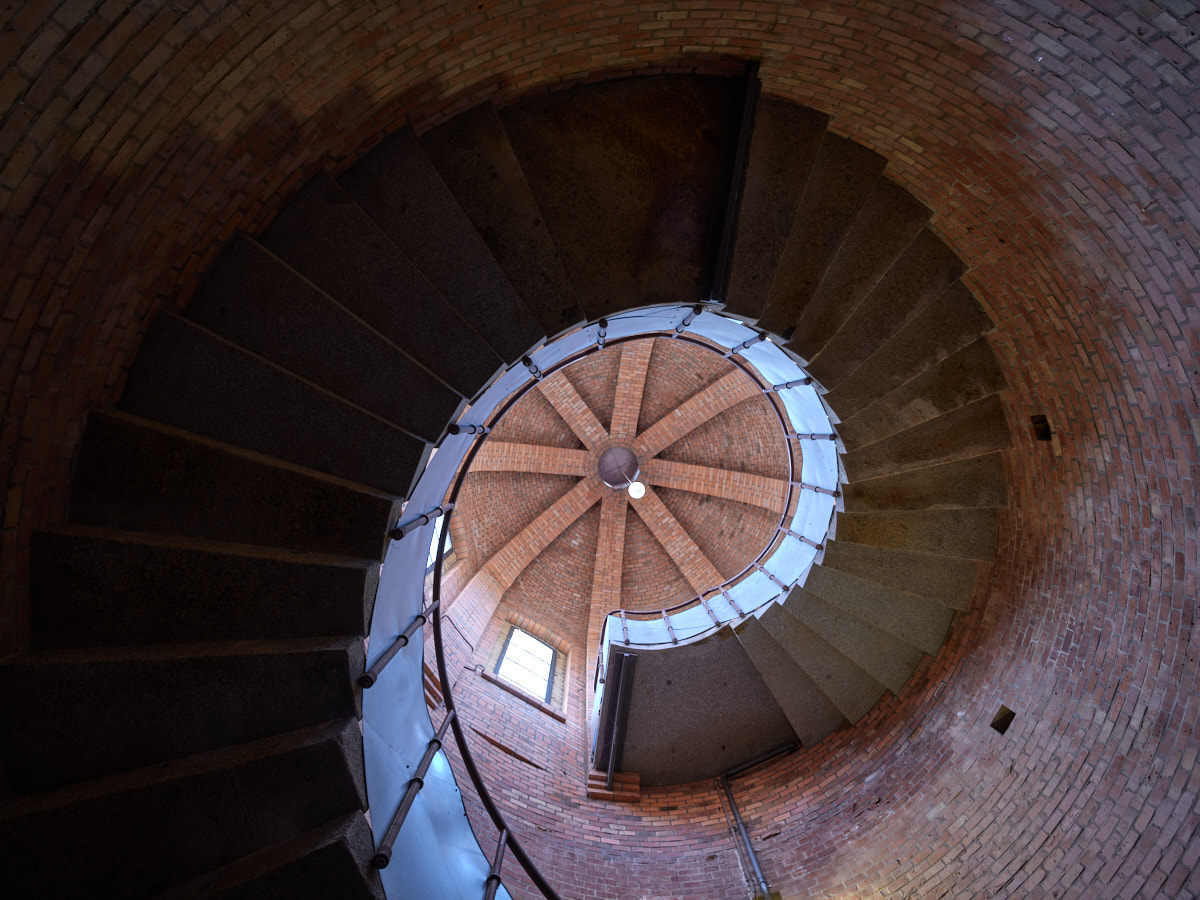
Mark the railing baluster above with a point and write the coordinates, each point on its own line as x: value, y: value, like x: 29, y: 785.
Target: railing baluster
x: 816, y: 489
x: 731, y: 602
x: 708, y: 609
x: 369, y: 677
x: 399, y: 531
x: 601, y: 333
x: 670, y: 630
x: 383, y: 855
x: 493, y: 879
x: 799, y: 382
x: 457, y: 428
x: 687, y: 319
x: 814, y: 437
x: 763, y: 569
x: 624, y: 628
x: 528, y: 362
x: 745, y: 345
x: 803, y: 539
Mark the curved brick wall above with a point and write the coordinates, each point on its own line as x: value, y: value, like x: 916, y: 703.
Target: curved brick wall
x: 1056, y: 143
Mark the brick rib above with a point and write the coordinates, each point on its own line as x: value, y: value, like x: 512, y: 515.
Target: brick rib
x: 631, y: 385
x: 742, y: 487
x: 700, y: 573
x: 727, y: 391
x: 498, y: 456
x: 512, y: 559
x: 568, y: 404
x: 606, y: 580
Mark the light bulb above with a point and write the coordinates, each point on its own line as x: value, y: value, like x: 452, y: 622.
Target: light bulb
x: 637, y: 490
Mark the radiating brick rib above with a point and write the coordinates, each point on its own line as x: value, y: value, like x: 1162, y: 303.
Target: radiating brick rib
x: 631, y: 384
x: 500, y: 456
x: 512, y: 559
x: 568, y: 404
x: 743, y: 487
x: 719, y: 396
x: 606, y: 579
x: 691, y: 560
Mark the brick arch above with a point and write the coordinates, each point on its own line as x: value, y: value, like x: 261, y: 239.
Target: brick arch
x: 1052, y: 142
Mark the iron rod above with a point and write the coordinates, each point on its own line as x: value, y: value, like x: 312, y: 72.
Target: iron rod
x: 493, y: 879
x: 601, y: 332
x: 806, y: 540
x: 400, y: 531
x: 369, y: 677
x: 528, y: 362
x: 708, y: 609
x: 737, y: 817
x: 383, y: 855
x: 670, y: 630
x: 816, y: 489
x: 814, y: 437
x: 687, y: 319
x: 745, y: 345
x: 799, y: 382
x: 457, y: 428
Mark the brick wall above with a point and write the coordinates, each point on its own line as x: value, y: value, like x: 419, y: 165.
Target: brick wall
x: 1056, y: 143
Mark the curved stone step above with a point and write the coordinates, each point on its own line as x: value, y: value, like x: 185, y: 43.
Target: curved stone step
x: 971, y: 430
x: 71, y: 715
x: 811, y: 714
x: 325, y: 236
x: 915, y: 621
x: 969, y: 533
x: 950, y: 322
x: 400, y: 189
x: 852, y: 690
x: 95, y: 587
x: 978, y: 481
x: 476, y: 162
x: 889, y: 660
x: 925, y: 271
x: 628, y: 176
x: 255, y: 300
x: 330, y: 861
x: 133, y: 474
x: 783, y: 148
x: 841, y: 179
x: 964, y: 377
x: 139, y: 832
x: 889, y: 221
x: 942, y: 579
x: 190, y: 378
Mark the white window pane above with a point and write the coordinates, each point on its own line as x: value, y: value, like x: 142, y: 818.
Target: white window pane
x: 527, y: 663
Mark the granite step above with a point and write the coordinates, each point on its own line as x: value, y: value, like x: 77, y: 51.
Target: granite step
x: 93, y: 587
x: 940, y: 579
x: 812, y: 715
x: 71, y: 715
x: 842, y: 177
x: 133, y: 474
x: 253, y: 299
x: 925, y: 271
x: 140, y: 832
x: 190, y: 378
x: 401, y: 190
x: 328, y: 238
x: 976, y: 481
x: 967, y: 533
x: 849, y: 688
x: 783, y: 148
x: 473, y: 156
x: 888, y: 223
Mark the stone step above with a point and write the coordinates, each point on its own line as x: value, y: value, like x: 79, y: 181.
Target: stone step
x: 976, y: 481
x: 190, y: 378
x: 889, y: 660
x: 971, y: 430
x: 140, y: 832
x: 963, y: 377
x: 628, y: 175
x: 783, y: 147
x: 969, y: 533
x: 915, y: 621
x: 330, y: 861
x: 812, y: 715
x: 475, y: 161
x: 253, y: 299
x: 941, y: 579
x: 326, y: 237
x: 94, y: 587
x: 626, y: 787
x: 71, y: 715
x: 852, y: 690
x: 838, y: 185
x: 400, y: 189
x: 925, y: 271
x: 950, y: 322
x: 889, y: 222
x: 133, y: 474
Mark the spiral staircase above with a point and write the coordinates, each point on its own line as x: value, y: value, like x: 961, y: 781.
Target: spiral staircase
x: 186, y: 718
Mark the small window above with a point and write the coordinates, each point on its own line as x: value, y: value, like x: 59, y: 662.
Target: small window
x: 433, y: 544
x: 527, y: 663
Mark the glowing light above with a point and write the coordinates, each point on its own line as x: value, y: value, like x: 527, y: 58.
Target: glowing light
x: 637, y: 490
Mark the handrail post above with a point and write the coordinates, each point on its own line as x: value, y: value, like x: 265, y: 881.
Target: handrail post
x: 814, y: 437
x: 745, y: 345
x: 798, y: 382
x: 383, y: 855
x: 369, y: 677
x: 687, y: 319
x: 805, y: 540
x: 601, y: 333
x: 708, y: 609
x: 732, y: 603
x: 624, y: 628
x: 458, y: 428
x: 670, y: 630
x: 400, y: 531
x: 528, y: 362
x: 493, y: 879
x: 816, y: 489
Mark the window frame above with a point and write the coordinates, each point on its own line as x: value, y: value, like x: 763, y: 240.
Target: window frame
x: 554, y: 653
